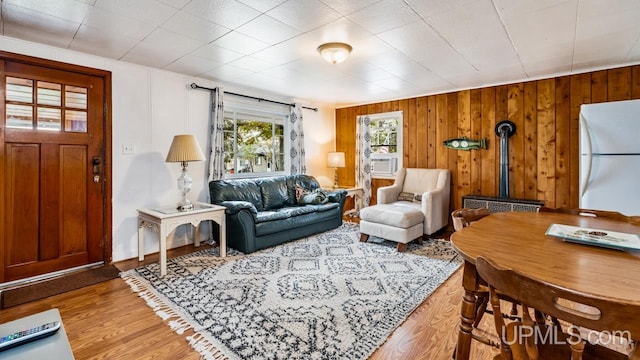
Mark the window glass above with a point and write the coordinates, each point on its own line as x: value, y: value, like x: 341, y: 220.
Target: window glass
x: 386, y: 143
x: 75, y: 121
x: 48, y: 107
x: 75, y: 97
x: 19, y: 116
x: 49, y: 94
x: 49, y: 119
x: 20, y: 90
x: 253, y: 142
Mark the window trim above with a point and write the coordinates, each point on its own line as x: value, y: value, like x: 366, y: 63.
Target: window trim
x: 400, y: 143
x: 266, y: 111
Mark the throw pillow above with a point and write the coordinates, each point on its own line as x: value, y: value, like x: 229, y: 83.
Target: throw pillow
x: 315, y: 197
x: 407, y: 196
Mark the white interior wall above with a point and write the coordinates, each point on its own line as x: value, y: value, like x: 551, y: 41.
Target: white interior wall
x: 149, y: 107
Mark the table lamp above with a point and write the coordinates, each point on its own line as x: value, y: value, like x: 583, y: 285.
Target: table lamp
x: 184, y: 148
x: 335, y: 159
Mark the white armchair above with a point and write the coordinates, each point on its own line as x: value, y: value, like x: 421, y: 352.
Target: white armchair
x: 432, y: 187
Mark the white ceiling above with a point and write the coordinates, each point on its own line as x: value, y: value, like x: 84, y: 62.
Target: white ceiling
x: 401, y: 48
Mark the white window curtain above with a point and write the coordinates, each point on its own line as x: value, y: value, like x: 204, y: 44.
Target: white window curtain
x: 363, y: 158
x: 296, y: 135
x: 216, y: 139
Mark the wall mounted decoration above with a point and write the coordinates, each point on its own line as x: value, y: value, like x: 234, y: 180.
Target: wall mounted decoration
x: 464, y: 143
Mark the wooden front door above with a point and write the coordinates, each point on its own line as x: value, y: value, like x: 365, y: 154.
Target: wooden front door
x: 52, y: 162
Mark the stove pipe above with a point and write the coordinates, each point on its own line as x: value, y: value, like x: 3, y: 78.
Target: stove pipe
x: 504, y: 130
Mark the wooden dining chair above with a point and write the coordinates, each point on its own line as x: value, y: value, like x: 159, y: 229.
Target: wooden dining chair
x: 613, y: 215
x: 465, y: 216
x: 461, y: 219
x: 580, y: 310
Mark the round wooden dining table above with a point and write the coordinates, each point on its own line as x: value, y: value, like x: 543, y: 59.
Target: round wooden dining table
x: 517, y: 241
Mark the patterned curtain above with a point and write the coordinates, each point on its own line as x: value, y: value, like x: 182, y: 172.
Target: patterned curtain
x: 296, y: 136
x: 216, y: 140
x: 363, y: 158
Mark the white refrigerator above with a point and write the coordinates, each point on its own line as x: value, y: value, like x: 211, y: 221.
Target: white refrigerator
x: 610, y: 156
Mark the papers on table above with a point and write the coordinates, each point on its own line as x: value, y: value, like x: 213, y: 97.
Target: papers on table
x: 596, y: 237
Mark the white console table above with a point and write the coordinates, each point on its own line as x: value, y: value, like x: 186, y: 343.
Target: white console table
x: 166, y: 219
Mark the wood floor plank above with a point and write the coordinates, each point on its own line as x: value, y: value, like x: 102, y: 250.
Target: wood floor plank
x: 109, y: 321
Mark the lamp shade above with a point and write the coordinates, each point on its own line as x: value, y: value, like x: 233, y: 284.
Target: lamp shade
x: 184, y: 148
x: 335, y: 52
x: 335, y: 159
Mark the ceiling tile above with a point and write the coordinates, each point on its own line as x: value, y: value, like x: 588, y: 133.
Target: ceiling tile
x: 430, y: 8
x: 178, y: 4
x: 196, y: 28
x: 251, y: 63
x: 228, y: 73
x: 551, y: 65
x: 192, y: 65
x: 384, y: 15
x: 67, y: 10
x: 554, y: 36
x: 217, y: 54
x: 31, y: 25
x: 304, y: 15
x: 634, y: 54
x: 267, y: 29
x: 241, y: 43
x: 228, y: 13
x: 347, y: 7
x: 117, y: 24
x: 279, y: 54
x: 155, y: 48
x: 262, y: 5
x: 149, y: 11
x: 412, y: 39
x: 102, y: 43
x: 510, y: 8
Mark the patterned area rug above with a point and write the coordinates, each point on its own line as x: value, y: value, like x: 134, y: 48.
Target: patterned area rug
x: 327, y: 296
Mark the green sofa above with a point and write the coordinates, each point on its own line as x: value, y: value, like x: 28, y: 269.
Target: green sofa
x: 264, y: 212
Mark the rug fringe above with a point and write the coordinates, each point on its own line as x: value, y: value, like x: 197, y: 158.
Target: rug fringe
x: 206, y: 349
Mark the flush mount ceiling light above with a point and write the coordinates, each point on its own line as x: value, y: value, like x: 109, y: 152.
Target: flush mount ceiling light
x: 334, y: 52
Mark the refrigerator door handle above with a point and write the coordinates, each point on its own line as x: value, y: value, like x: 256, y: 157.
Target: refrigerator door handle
x: 589, y: 155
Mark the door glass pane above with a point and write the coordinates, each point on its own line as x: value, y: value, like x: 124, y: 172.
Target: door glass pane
x: 75, y: 121
x: 19, y: 90
x: 49, y: 93
x: 19, y: 116
x: 49, y: 119
x: 75, y: 97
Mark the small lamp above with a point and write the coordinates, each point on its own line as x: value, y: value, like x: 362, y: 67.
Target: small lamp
x: 335, y: 52
x: 335, y: 159
x: 184, y: 148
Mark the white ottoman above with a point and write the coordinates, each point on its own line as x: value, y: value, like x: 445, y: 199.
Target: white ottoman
x: 398, y: 223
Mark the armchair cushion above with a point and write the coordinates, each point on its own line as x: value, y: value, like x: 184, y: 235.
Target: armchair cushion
x: 407, y: 196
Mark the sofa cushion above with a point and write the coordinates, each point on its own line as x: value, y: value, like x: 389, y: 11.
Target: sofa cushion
x: 323, y: 207
x: 275, y: 193
x: 294, y: 222
x: 239, y: 190
x: 283, y: 213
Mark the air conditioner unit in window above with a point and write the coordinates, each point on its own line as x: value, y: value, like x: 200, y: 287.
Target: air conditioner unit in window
x: 384, y: 166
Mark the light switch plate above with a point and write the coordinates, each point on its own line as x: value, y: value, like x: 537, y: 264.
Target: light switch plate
x: 128, y: 149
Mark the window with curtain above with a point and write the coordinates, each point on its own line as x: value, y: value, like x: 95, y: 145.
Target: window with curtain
x: 386, y: 143
x: 254, y: 142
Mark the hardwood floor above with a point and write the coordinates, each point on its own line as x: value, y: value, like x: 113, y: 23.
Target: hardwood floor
x: 109, y: 321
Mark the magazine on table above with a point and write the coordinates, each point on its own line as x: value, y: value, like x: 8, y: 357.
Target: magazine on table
x: 596, y: 237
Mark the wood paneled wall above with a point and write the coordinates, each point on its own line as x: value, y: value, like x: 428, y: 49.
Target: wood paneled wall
x: 543, y: 153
